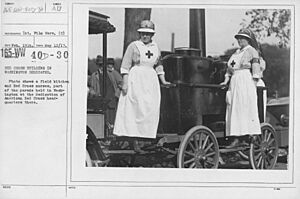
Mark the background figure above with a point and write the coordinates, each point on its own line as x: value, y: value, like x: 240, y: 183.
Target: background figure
x: 242, y: 111
x: 95, y: 79
x: 116, y: 82
x: 139, y: 104
x: 115, y: 77
x: 113, y: 86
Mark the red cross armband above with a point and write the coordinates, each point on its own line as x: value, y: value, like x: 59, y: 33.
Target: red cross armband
x: 255, y: 60
x: 255, y: 68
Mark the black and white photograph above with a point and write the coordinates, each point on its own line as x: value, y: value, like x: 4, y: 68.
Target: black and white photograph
x: 149, y: 99
x: 188, y: 87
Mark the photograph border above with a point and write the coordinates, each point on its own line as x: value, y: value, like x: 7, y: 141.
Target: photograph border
x: 161, y: 183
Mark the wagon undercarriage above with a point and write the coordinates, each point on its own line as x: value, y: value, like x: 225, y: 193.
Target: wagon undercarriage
x: 198, y: 148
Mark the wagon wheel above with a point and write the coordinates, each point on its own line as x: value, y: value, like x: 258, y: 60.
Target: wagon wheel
x: 88, y: 160
x: 264, y: 148
x: 198, y: 149
x: 94, y: 157
x: 94, y: 153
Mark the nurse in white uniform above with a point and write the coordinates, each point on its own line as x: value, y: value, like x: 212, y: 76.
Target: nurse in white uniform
x: 139, y: 105
x: 241, y: 98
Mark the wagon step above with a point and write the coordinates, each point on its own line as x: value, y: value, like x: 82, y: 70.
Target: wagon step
x: 132, y: 152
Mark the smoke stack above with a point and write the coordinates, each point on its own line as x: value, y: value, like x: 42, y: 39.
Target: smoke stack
x: 197, y: 30
x: 172, y: 41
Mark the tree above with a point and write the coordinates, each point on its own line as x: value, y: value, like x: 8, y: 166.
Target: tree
x: 277, y: 73
x: 133, y: 18
x: 270, y: 22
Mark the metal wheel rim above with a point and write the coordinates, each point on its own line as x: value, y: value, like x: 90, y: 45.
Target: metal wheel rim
x: 264, y: 149
x: 199, y: 149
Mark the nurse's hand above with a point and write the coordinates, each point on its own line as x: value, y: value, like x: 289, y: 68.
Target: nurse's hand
x: 124, y: 89
x: 163, y: 80
x: 223, y: 85
x: 225, y: 82
x: 166, y: 83
x: 125, y: 84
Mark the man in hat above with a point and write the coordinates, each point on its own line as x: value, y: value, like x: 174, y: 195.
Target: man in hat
x: 113, y: 90
x: 114, y: 76
x: 113, y: 86
x: 95, y: 78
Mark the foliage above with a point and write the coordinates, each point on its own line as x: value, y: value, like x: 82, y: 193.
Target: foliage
x: 277, y: 73
x: 270, y: 22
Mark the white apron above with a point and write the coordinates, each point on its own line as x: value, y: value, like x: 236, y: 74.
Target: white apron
x: 138, y: 111
x: 242, y: 111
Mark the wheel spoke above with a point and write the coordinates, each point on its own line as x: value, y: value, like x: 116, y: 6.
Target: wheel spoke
x: 264, y: 135
x: 196, y: 142
x: 209, y: 164
x: 271, y: 141
x: 192, y: 165
x: 269, y: 136
x: 210, y: 154
x: 208, y: 147
x: 189, y: 153
x: 189, y: 161
x: 262, y: 163
x: 205, y: 142
x: 192, y: 146
x: 259, y: 161
x: 257, y: 156
x: 257, y: 143
x: 200, y: 141
x: 256, y: 150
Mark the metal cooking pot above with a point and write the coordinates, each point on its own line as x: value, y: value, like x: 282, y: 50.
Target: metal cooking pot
x: 188, y: 51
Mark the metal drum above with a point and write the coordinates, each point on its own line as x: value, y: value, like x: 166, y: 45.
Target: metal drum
x: 181, y: 68
x: 189, y: 104
x: 188, y: 51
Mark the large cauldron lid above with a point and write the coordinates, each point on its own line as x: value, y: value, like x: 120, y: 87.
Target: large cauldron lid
x: 173, y: 56
x: 188, y: 51
x: 187, y: 48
